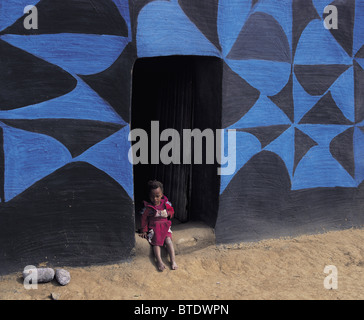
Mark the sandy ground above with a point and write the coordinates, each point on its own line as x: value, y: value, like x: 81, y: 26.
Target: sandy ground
x: 271, y: 270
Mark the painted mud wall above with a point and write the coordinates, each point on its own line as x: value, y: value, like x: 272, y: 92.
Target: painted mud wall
x: 292, y: 89
x: 65, y: 98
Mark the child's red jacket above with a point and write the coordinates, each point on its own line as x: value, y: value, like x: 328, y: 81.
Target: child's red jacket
x: 157, y: 225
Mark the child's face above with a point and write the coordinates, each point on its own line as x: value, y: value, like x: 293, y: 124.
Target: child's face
x: 155, y: 196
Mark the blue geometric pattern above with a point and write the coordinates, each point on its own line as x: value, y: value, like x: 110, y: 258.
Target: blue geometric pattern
x: 318, y: 167
x: 80, y: 103
x: 307, y: 86
x: 308, y: 78
x: 164, y: 29
x: 11, y: 11
x: 111, y: 156
x: 29, y: 156
x: 60, y: 49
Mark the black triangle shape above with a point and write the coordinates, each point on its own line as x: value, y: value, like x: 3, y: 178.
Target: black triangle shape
x: 262, y: 38
x: 27, y: 80
x: 266, y: 135
x: 254, y: 2
x: 325, y: 112
x: 238, y: 97
x: 284, y: 99
x: 303, y: 11
x: 344, y: 33
x: 361, y: 129
x: 76, y: 135
x: 358, y: 92
x: 342, y: 149
x: 303, y: 143
x: 113, y: 84
x: 360, y: 53
x: 70, y: 16
x: 317, y: 79
x: 204, y: 15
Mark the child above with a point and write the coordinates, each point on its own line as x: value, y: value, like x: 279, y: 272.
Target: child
x: 156, y: 223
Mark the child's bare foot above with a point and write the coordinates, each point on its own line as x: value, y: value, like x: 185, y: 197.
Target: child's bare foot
x: 174, y: 265
x: 161, y: 266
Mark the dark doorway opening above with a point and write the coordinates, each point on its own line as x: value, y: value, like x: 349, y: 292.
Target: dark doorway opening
x: 180, y: 92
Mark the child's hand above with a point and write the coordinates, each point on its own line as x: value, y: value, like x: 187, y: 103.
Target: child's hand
x: 164, y: 214
x: 161, y: 213
x: 143, y: 235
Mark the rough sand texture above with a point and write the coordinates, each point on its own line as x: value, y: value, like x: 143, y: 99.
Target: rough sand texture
x: 271, y: 269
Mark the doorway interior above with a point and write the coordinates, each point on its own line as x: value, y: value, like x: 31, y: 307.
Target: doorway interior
x: 180, y: 92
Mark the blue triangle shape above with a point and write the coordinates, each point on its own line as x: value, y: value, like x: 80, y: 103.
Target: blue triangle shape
x: 303, y: 102
x: 322, y: 134
x: 246, y: 147
x: 111, y: 156
x: 230, y: 22
x: 319, y: 169
x: 318, y: 46
x: 360, y: 61
x: 76, y: 53
x: 170, y: 33
x: 360, y: 124
x: 342, y: 92
x: 29, y: 157
x: 263, y: 113
x: 11, y: 11
x: 284, y: 147
x: 269, y: 77
x: 81, y: 103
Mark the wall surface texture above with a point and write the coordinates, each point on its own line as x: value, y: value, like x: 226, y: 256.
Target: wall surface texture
x: 292, y: 89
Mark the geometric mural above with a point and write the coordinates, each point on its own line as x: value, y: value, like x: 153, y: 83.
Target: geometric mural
x: 289, y: 92
x: 318, y: 97
x: 298, y: 79
x: 65, y: 112
x: 63, y: 145
x: 292, y: 86
x: 319, y: 100
x: 292, y: 90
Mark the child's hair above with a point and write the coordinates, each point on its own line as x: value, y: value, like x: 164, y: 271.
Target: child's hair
x: 154, y: 184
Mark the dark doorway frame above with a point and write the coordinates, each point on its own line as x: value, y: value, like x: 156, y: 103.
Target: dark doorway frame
x: 189, y: 87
